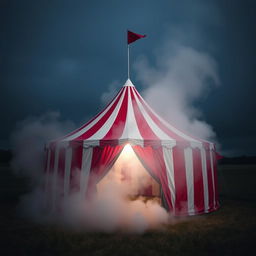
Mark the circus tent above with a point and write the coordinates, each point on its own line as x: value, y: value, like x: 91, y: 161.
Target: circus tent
x: 183, y: 166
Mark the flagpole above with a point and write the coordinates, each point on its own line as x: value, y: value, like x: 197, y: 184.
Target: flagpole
x: 131, y: 37
x: 128, y: 59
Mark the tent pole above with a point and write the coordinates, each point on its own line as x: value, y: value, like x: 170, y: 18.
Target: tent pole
x: 128, y: 64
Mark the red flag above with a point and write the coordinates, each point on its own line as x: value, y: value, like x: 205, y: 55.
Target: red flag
x: 131, y: 37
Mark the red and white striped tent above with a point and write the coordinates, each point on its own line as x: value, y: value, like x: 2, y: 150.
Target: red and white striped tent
x: 184, y: 166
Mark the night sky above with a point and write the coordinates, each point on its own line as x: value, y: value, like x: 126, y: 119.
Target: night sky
x: 63, y: 55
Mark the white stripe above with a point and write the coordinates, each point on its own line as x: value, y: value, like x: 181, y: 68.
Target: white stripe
x: 190, y: 179
x: 205, y: 179
x: 173, y: 129
x: 157, y: 131
x: 168, y: 160
x: 213, y: 181
x: 87, y: 127
x: 131, y: 130
x: 109, y: 123
x: 85, y: 170
x: 68, y: 158
x: 55, y: 177
x: 128, y: 83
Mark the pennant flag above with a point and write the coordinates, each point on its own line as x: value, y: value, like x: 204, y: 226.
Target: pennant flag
x: 131, y: 37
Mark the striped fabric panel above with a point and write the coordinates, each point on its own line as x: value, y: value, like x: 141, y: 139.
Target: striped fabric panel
x: 169, y: 129
x: 100, y: 130
x: 101, y: 113
x: 143, y: 126
x: 76, y: 164
x: 104, y: 114
x: 181, y: 197
x: 188, y: 155
x: 158, y: 133
x: 168, y: 160
x: 117, y: 127
x: 85, y: 170
x: 131, y: 130
x: 158, y: 120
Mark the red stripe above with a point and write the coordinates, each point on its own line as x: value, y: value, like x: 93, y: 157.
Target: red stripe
x: 142, y: 124
x: 209, y: 178
x: 101, y: 122
x: 117, y: 128
x: 90, y: 121
x: 181, y: 200
x: 163, y: 127
x: 103, y: 159
x: 76, y: 164
x: 198, y: 181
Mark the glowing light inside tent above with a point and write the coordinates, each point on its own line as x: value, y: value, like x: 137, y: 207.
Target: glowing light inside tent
x: 129, y: 173
x: 127, y: 151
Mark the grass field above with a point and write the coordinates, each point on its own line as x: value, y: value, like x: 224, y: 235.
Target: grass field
x: 229, y: 231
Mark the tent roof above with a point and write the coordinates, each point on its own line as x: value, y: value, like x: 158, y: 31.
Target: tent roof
x: 128, y: 118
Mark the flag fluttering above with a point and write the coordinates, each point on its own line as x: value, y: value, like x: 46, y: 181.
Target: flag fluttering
x: 131, y: 37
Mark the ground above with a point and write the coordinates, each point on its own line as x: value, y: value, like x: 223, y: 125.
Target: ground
x: 229, y: 231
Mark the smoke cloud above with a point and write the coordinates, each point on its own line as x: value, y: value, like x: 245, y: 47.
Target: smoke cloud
x: 28, y: 142
x: 112, y: 211
x: 108, y: 211
x: 180, y: 79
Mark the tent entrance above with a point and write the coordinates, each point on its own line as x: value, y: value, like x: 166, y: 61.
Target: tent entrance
x: 130, y: 177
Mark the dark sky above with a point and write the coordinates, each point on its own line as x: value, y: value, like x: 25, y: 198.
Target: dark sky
x: 60, y: 55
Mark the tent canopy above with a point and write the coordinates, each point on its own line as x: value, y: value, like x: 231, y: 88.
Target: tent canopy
x: 128, y: 118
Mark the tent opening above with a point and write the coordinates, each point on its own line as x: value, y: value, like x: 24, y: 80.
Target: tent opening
x: 131, y: 178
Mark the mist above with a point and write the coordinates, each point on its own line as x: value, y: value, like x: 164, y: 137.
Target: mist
x: 175, y: 85
x: 29, y: 138
x: 108, y: 211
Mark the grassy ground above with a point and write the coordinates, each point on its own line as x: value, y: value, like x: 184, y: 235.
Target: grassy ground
x: 229, y: 231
